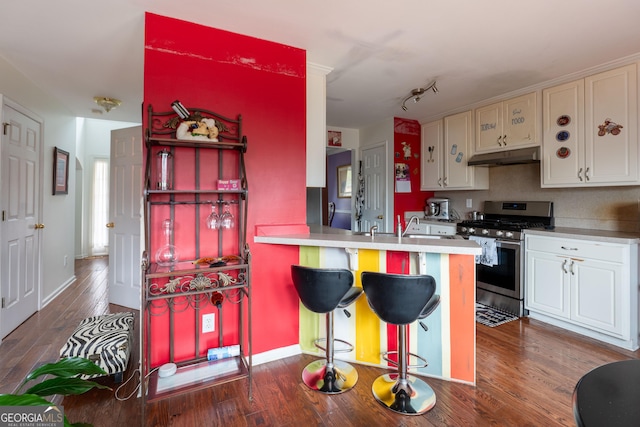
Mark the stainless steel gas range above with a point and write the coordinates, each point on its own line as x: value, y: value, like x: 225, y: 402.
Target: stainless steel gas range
x: 500, y: 269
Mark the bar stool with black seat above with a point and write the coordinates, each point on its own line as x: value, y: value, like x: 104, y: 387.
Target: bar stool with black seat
x: 609, y: 395
x: 401, y: 300
x: 323, y: 290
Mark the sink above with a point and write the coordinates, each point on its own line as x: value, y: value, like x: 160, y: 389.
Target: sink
x: 412, y: 236
x: 428, y: 236
x: 368, y: 234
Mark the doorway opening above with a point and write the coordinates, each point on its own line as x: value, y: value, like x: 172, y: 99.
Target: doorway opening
x: 339, y: 194
x: 100, y: 207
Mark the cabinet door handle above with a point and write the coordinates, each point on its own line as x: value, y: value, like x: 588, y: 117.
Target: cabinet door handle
x: 564, y: 264
x: 499, y: 141
x: 504, y: 140
x: 439, y: 182
x: 568, y: 249
x: 586, y: 174
x: 571, y: 268
x: 445, y: 181
x: 580, y: 174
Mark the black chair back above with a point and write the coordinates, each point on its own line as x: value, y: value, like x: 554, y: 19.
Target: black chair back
x: 321, y: 289
x: 396, y: 298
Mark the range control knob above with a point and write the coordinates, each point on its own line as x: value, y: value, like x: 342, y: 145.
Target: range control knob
x: 485, y: 232
x: 509, y: 234
x: 463, y: 229
x: 499, y: 233
x: 472, y: 230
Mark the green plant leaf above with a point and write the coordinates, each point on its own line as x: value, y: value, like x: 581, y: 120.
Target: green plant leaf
x: 67, y: 368
x: 64, y: 386
x: 33, y: 400
x: 23, y: 400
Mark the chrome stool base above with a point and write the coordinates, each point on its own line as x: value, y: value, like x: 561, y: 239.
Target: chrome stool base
x: 342, y: 377
x: 415, y: 397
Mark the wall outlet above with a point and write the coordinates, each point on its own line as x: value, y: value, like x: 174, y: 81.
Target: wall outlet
x: 208, y: 323
x: 469, y: 203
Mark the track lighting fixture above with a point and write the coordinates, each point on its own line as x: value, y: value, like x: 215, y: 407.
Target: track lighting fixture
x: 416, y: 94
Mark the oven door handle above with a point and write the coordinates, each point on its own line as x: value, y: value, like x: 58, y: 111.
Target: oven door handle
x: 507, y: 244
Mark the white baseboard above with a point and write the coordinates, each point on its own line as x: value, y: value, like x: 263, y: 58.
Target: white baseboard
x: 57, y: 292
x: 276, y: 354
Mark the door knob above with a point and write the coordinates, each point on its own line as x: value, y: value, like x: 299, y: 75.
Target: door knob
x: 111, y: 225
x: 38, y: 226
x: 380, y: 217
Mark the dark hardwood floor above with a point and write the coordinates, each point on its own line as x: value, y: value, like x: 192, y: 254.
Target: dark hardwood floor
x: 526, y: 372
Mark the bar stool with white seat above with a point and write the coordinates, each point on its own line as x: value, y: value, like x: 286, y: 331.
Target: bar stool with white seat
x: 322, y: 290
x: 401, y: 300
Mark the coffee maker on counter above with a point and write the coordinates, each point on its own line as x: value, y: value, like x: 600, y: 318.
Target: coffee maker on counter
x: 437, y: 208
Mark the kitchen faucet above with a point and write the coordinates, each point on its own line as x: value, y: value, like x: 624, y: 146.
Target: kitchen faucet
x: 414, y: 217
x: 373, y: 230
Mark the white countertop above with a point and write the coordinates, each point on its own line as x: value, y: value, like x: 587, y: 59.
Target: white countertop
x: 588, y: 234
x: 335, y: 238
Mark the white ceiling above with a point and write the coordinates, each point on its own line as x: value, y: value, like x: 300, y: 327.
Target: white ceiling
x: 379, y: 50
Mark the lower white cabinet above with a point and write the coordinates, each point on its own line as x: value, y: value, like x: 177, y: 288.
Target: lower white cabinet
x: 430, y: 227
x: 586, y: 286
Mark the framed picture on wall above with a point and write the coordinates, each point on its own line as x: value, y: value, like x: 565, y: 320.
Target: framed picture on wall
x: 60, y: 171
x: 334, y: 138
x: 344, y: 181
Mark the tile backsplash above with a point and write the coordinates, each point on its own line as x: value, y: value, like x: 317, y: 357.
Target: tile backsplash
x: 601, y: 208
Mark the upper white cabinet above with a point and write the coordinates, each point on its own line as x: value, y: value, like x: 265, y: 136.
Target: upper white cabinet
x: 507, y: 124
x: 446, y: 146
x: 431, y: 165
x: 590, y: 131
x: 316, y: 124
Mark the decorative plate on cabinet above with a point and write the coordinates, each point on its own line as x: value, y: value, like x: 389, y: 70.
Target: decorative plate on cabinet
x: 563, y: 120
x: 562, y: 136
x: 563, y: 152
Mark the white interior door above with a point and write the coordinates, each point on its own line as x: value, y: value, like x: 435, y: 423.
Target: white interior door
x: 125, y: 195
x: 374, y: 172
x: 20, y: 229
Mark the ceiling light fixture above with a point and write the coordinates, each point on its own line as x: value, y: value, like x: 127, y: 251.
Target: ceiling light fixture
x: 416, y: 94
x: 107, y: 103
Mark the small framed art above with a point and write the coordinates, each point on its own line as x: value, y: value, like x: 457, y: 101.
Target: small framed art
x: 60, y: 171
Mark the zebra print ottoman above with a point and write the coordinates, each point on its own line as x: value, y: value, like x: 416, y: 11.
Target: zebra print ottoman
x: 105, y: 340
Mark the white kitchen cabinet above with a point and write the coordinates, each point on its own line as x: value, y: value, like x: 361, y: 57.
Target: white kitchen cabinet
x: 597, y: 299
x: 506, y: 125
x: 446, y: 146
x: 316, y: 124
x: 443, y: 229
x: 546, y: 286
x: 581, y: 144
x: 583, y: 285
x: 430, y: 227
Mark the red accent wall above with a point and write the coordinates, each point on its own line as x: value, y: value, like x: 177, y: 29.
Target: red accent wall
x: 265, y: 82
x: 408, y: 131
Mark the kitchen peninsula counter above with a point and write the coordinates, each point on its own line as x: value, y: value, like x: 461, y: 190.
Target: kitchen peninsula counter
x: 337, y: 238
x: 448, y: 342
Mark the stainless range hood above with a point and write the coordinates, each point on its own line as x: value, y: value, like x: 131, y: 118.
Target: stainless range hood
x: 509, y: 157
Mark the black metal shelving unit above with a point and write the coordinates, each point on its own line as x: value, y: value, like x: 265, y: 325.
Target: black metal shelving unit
x: 187, y: 286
